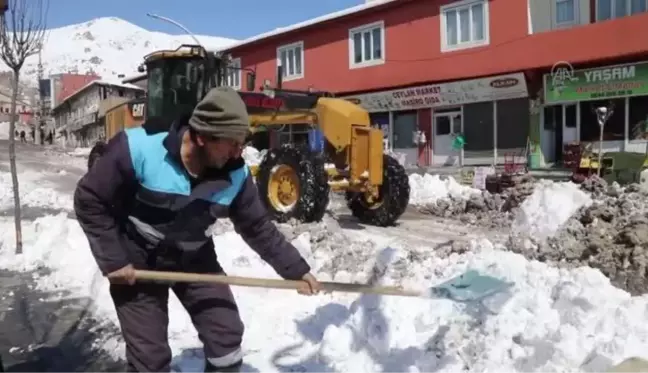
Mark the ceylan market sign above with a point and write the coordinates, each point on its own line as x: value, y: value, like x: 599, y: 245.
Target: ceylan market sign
x: 446, y: 94
x: 564, y: 84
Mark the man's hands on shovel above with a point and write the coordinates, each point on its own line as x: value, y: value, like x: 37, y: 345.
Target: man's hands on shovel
x: 124, y: 275
x: 310, y: 286
x: 127, y: 275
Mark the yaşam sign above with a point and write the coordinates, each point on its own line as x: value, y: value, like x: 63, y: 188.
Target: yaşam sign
x: 598, y: 83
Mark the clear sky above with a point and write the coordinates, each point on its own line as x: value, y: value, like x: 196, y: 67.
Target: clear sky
x: 237, y: 19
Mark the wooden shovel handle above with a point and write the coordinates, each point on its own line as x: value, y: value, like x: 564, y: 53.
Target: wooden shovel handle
x: 267, y: 283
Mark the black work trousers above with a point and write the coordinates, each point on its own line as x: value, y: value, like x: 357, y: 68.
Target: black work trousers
x: 142, y: 310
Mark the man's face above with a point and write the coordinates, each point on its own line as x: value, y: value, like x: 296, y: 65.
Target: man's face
x: 216, y: 152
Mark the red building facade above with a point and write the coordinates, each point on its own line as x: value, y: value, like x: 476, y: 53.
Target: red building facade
x: 430, y: 70
x: 65, y: 85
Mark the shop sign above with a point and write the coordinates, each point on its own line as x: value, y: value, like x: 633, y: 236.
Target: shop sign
x: 445, y: 94
x: 564, y: 84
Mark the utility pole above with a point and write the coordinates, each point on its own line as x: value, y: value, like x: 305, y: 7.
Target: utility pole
x: 41, y: 101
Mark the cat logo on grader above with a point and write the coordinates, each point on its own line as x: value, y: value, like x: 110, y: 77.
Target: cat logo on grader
x: 338, y: 150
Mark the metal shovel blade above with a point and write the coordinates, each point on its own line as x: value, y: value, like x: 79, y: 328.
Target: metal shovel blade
x: 470, y: 286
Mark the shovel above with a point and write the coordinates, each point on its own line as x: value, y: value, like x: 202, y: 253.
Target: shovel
x: 467, y: 287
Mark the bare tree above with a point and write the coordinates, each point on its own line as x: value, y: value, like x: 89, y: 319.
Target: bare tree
x: 22, y: 33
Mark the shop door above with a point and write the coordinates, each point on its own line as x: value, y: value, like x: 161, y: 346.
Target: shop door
x: 570, y: 125
x: 405, y: 126
x: 446, y: 126
x: 548, y: 134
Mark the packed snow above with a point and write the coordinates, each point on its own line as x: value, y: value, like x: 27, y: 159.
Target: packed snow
x: 4, y: 131
x: 34, y: 192
x: 107, y: 46
x: 430, y: 188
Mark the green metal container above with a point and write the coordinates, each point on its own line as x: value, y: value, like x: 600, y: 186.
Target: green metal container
x: 534, y: 160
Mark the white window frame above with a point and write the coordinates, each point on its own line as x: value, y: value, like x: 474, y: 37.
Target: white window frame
x: 573, y: 22
x: 628, y: 7
x: 444, y: 27
x: 287, y: 47
x: 234, y: 74
x: 369, y: 27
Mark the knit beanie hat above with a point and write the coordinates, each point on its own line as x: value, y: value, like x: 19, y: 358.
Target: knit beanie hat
x: 221, y: 113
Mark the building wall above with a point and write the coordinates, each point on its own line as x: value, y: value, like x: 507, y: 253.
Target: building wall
x: 413, y: 46
x: 64, y: 85
x: 78, y: 122
x: 79, y: 109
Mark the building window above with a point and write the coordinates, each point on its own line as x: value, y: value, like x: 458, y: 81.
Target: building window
x: 464, y: 24
x: 566, y: 12
x: 367, y: 45
x: 291, y: 59
x: 233, y: 75
x: 614, y: 129
x: 610, y: 9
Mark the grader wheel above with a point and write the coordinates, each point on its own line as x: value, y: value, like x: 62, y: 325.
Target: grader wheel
x: 392, y: 201
x: 293, y: 183
x: 283, y: 187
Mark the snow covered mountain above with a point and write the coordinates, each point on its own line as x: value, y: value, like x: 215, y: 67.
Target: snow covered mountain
x: 108, y: 46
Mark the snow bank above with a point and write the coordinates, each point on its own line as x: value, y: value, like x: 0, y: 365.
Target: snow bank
x: 4, y: 130
x: 80, y: 152
x: 548, y: 208
x: 555, y: 320
x: 430, y: 188
x: 34, y: 192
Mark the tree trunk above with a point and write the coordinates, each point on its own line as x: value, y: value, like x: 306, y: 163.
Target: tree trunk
x: 12, y: 161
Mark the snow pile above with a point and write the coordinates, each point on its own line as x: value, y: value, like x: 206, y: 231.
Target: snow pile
x: 555, y: 320
x: 34, y: 192
x: 252, y: 156
x: 428, y: 188
x: 80, y: 152
x: 107, y: 46
x: 610, y: 234
x: 4, y: 130
x: 476, y: 207
x: 548, y: 208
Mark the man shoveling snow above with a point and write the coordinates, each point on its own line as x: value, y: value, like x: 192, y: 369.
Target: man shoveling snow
x: 148, y: 203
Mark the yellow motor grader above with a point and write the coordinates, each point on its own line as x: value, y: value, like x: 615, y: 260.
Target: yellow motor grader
x: 339, y: 151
